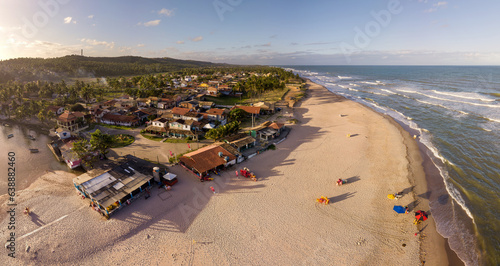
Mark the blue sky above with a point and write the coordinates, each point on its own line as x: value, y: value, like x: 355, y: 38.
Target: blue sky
x: 275, y: 32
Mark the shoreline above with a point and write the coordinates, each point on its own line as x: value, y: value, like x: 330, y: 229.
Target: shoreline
x: 432, y: 244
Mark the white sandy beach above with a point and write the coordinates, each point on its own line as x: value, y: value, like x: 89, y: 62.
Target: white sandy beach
x: 275, y: 220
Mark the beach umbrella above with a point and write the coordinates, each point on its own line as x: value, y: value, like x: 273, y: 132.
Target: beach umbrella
x: 420, y: 216
x: 399, y: 209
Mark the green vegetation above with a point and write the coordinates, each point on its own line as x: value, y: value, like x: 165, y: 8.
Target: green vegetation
x: 151, y: 137
x: 238, y: 115
x: 99, y: 143
x: 116, y: 127
x: 30, y: 69
x: 220, y: 132
x: 185, y: 140
x: 121, y: 140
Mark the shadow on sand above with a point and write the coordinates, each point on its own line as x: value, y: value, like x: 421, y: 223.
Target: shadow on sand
x: 342, y: 197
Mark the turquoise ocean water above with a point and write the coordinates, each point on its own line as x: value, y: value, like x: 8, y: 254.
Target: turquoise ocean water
x: 456, y: 112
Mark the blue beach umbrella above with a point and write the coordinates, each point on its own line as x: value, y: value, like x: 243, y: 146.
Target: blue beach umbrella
x: 399, y: 209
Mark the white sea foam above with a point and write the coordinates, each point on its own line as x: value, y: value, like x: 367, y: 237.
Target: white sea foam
x: 371, y: 83
x: 388, y: 91
x: 342, y: 86
x: 351, y: 89
x: 354, y: 84
x: 450, y: 100
x: 341, y: 77
x: 493, y: 119
x: 463, y: 95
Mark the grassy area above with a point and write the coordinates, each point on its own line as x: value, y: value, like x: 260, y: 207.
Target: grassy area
x: 152, y: 137
x: 268, y: 96
x: 223, y: 100
x: 179, y: 140
x: 116, y: 127
x: 122, y: 140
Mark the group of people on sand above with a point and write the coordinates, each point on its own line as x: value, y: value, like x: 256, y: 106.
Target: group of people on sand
x: 341, y: 181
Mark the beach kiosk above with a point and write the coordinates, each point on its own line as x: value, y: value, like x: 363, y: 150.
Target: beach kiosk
x: 116, y: 186
x: 169, y: 179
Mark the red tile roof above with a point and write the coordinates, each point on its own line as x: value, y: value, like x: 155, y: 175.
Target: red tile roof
x: 180, y: 110
x: 276, y: 125
x: 249, y: 109
x: 120, y: 118
x: 206, y: 158
x: 67, y: 117
x: 215, y: 111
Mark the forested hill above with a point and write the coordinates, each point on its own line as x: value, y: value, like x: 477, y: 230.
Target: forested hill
x: 55, y: 69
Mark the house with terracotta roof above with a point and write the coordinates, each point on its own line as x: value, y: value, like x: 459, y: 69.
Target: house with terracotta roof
x: 166, y: 103
x: 212, y: 91
x: 120, y: 120
x: 178, y: 112
x: 57, y: 110
x: 72, y: 121
x: 254, y: 110
x: 109, y: 103
x: 272, y: 131
x: 216, y: 114
x: 207, y: 159
x: 193, y: 104
x: 266, y: 107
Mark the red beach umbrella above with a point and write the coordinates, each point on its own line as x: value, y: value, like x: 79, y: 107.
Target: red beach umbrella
x: 421, y: 215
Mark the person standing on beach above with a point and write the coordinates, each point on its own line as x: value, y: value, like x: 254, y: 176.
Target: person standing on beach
x: 213, y: 189
x: 236, y: 173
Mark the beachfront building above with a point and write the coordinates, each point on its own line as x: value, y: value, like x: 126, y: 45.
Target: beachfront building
x: 241, y: 141
x: 71, y: 159
x: 269, y: 132
x: 266, y: 107
x: 212, y: 158
x: 117, y: 185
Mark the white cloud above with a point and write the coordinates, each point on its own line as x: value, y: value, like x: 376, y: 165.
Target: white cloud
x: 180, y: 42
x: 109, y: 45
x: 197, y: 39
x: 67, y: 20
x: 150, y: 23
x: 141, y: 45
x: 9, y: 29
x: 91, y: 16
x: 263, y: 45
x: 436, y: 6
x: 166, y: 12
